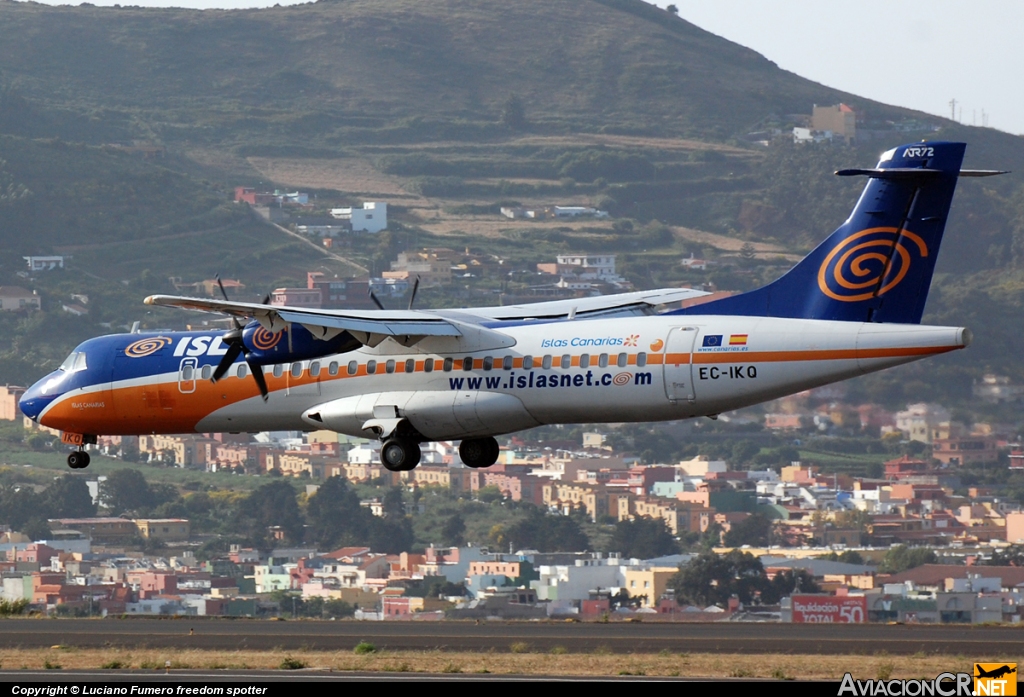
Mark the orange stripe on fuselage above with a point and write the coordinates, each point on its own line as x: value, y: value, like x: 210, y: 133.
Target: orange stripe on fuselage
x: 162, y: 407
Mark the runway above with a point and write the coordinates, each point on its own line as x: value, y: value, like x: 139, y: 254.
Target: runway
x: 722, y: 637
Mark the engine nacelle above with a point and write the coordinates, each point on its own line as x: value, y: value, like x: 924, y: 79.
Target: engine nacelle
x: 436, y: 415
x: 293, y: 343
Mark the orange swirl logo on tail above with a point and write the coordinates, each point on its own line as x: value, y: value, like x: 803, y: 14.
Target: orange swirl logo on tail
x: 868, y: 263
x: 146, y: 347
x: 264, y: 340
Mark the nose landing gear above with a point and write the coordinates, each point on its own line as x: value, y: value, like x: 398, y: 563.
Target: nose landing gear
x: 79, y: 459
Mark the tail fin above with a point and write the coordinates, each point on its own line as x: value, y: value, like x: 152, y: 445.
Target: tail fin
x: 877, y: 267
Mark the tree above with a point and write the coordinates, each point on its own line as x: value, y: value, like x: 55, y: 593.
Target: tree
x: 69, y: 497
x: 454, y: 531
x: 642, y: 538
x: 787, y: 583
x: 335, y: 517
x: 755, y: 530
x: 19, y: 505
x: 272, y: 505
x: 513, y: 114
x: 710, y: 579
x: 546, y: 533
x: 126, y: 490
x: 673, y: 9
x: 744, y: 451
x: 900, y: 558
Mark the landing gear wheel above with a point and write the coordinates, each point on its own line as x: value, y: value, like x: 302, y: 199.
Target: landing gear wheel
x: 78, y: 460
x: 479, y: 452
x: 400, y: 455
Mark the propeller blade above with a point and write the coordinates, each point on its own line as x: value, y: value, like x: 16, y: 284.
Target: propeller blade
x: 234, y: 320
x: 222, y: 291
x: 415, y: 287
x: 376, y: 301
x: 234, y: 348
x: 261, y: 382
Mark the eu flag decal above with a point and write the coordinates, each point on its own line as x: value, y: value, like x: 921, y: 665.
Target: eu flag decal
x: 712, y: 340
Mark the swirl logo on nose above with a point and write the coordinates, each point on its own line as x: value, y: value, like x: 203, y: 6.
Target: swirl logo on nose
x: 264, y: 340
x: 868, y: 263
x: 146, y: 347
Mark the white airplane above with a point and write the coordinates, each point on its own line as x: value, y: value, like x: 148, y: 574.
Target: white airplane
x: 852, y: 306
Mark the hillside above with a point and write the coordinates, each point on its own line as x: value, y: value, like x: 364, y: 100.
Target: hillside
x: 338, y: 69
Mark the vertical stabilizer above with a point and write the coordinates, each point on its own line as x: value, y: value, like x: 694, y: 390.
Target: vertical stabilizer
x: 877, y: 267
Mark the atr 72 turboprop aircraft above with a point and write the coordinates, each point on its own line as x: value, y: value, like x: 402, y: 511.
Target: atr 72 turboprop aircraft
x: 852, y: 306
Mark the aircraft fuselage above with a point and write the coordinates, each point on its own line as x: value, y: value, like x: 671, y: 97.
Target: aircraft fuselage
x: 653, y: 368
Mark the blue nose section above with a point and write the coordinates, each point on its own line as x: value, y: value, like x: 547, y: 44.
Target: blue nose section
x: 39, y: 396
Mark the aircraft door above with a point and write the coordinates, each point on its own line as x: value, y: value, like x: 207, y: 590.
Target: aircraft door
x: 678, y: 364
x: 187, y: 375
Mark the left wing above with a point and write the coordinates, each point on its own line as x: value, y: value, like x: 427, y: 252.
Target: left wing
x: 369, y: 327
x: 622, y: 303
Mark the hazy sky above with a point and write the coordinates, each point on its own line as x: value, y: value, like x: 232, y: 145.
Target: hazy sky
x: 913, y: 53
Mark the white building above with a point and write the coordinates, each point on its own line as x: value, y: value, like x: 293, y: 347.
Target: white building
x: 600, y: 266
x: 575, y: 582
x: 372, y: 217
x: 44, y: 263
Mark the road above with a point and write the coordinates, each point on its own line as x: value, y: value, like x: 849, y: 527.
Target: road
x: 723, y: 637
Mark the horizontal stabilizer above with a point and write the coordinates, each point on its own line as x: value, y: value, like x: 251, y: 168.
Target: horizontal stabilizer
x: 915, y: 172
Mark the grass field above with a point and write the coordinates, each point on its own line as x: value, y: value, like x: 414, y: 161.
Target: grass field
x: 520, y: 660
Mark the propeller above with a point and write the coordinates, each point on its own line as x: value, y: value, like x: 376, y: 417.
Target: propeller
x: 376, y: 300
x: 236, y: 346
x: 415, y: 287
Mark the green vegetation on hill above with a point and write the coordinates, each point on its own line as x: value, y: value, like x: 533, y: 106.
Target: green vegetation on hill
x: 348, y: 71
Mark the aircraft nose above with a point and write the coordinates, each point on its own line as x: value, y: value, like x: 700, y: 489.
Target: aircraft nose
x: 37, y: 397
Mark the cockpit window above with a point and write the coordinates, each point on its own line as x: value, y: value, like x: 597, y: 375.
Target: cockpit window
x: 74, y: 362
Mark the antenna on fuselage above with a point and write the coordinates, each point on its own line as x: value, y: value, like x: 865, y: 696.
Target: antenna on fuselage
x: 135, y: 327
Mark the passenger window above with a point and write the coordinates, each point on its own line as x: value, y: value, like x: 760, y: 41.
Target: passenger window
x: 278, y: 370
x: 371, y: 367
x: 449, y: 363
x: 641, y: 359
x: 488, y: 362
x: 410, y: 365
x: 467, y: 363
x: 332, y: 369
x: 207, y: 372
x: 428, y: 365
x: 527, y: 362
x: 187, y: 373
x: 353, y: 367
x: 585, y: 360
x: 389, y: 367
x: 623, y: 360
x: 314, y: 369
x: 507, y: 363
x: 546, y: 363
x: 602, y: 360
x: 567, y: 361
x: 296, y: 370
x: 242, y: 370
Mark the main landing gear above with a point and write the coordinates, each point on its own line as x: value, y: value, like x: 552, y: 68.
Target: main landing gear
x: 479, y: 452
x: 78, y: 460
x: 400, y: 454
x: 403, y: 454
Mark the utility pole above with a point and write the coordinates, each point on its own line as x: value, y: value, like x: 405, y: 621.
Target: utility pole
x: 952, y: 109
